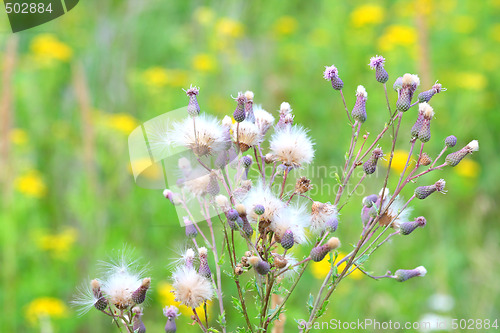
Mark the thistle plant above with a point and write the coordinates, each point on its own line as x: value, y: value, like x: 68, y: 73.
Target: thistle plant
x: 236, y: 173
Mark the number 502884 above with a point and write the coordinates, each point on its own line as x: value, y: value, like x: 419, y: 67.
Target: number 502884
x: 28, y: 8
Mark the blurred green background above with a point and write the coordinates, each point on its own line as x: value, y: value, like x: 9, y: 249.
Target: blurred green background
x: 73, y: 89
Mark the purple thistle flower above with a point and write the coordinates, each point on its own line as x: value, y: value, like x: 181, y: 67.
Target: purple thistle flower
x: 193, y: 108
x: 454, y: 158
x: 330, y: 73
x: 376, y: 61
x: 171, y: 312
x: 423, y: 192
x: 359, y: 109
x: 450, y: 141
x: 408, y: 227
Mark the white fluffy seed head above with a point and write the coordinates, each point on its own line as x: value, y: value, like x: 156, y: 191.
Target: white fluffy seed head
x: 254, y: 260
x: 285, y: 107
x: 184, y: 165
x: 361, y: 91
x: 247, y: 133
x: 223, y: 202
x: 411, y: 80
x: 202, y: 251
x: 263, y: 119
x: 396, y: 213
x: 473, y: 145
x: 292, y: 146
x: 333, y: 243
x: 421, y: 270
x: 226, y: 121
x: 189, y: 255
x: 198, y: 182
x: 293, y: 218
x: 320, y: 213
x: 249, y: 95
x: 190, y: 288
x: 425, y: 109
x: 262, y: 195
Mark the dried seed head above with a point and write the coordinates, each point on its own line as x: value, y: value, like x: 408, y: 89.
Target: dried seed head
x: 223, y: 202
x: 280, y: 261
x: 139, y: 295
x: 238, y: 270
x: 424, y: 160
x: 303, y: 185
x: 333, y: 243
x: 241, y: 209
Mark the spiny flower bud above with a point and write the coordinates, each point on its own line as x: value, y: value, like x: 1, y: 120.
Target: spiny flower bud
x: 450, y: 141
x: 232, y: 215
x: 303, y: 185
x: 193, y: 109
x: 418, y: 123
x: 213, y: 184
x: 331, y: 74
x: 402, y: 275
x: 260, y: 266
x: 239, y: 112
x: 259, y: 209
x: 359, y: 110
x: 424, y: 160
x: 247, y: 161
x: 247, y: 227
x: 454, y: 158
x: 424, y: 134
x: 204, y: 269
x: 426, y: 96
x: 370, y: 200
x: 139, y: 295
x: 287, y: 241
x: 101, y: 303
x: 377, y: 63
x: 318, y: 253
x: 423, y: 192
x: 331, y: 224
x: 171, y: 312
x: 138, y: 325
x: 365, y: 214
x: 191, y: 231
x: 407, y: 228
x: 371, y: 165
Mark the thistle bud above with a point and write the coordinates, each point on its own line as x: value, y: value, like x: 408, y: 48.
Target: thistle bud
x: 402, y: 275
x: 318, y: 253
x: 407, y: 228
x: 426, y: 96
x: 169, y: 195
x: 370, y: 200
x: 450, y: 141
x: 101, y: 303
x: 418, y: 123
x: 454, y: 158
x: 331, y: 224
x: 287, y: 241
x: 246, y: 226
x: 191, y: 231
x: 398, y: 84
x: 193, y: 109
x: 139, y: 295
x: 138, y: 325
x: 171, y: 312
x: 269, y: 158
x: 188, y: 258
x: 238, y: 270
x: 423, y: 192
x: 424, y: 160
x: 260, y: 266
x: 232, y: 215
x: 371, y: 165
x: 359, y: 110
x: 331, y: 74
x: 259, y: 209
x: 303, y: 185
x: 247, y: 161
x: 249, y: 106
x: 377, y: 63
x: 239, y: 112
x: 204, y: 269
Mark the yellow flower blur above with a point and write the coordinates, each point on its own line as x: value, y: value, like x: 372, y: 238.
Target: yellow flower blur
x: 321, y: 269
x: 227, y: 27
x: 471, y: 80
x: 156, y: 77
x: 204, y: 15
x: 59, y: 244
x: 167, y: 298
x: 31, y: 184
x: 285, y: 26
x: 203, y: 62
x: 366, y: 15
x: 397, y: 35
x: 48, y: 47
x: 18, y: 136
x: 45, y: 307
x: 121, y: 122
x: 468, y: 168
x: 399, y: 161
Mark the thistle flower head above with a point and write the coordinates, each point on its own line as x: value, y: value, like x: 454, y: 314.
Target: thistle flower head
x: 263, y: 119
x: 408, y: 227
x: 198, y: 182
x: 171, y: 312
x: 320, y: 213
x: 402, y: 275
x: 292, y: 146
x: 223, y: 202
x: 376, y: 61
x: 437, y: 87
x: 293, y: 218
x: 450, y: 141
x: 262, y: 195
x: 209, y: 136
x: 454, y: 158
x: 191, y: 231
x: 426, y: 110
x: 423, y: 192
x: 285, y: 108
x: 190, y: 288
x: 192, y: 91
x: 246, y: 134
x: 395, y: 214
x: 410, y: 80
x: 330, y: 73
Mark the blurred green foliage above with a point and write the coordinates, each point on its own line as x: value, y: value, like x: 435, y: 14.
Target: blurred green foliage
x: 81, y: 83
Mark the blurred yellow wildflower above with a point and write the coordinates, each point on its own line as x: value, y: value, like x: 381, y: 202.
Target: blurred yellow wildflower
x: 397, y: 35
x: 321, y: 269
x: 495, y: 32
x: 45, y: 307
x: 48, y: 47
x: 464, y: 24
x: 285, y: 26
x: 145, y: 168
x: 468, y: 168
x: 156, y: 77
x: 167, y: 298
x: 31, y: 184
x: 204, y: 15
x: 399, y: 161
x: 471, y: 80
x: 227, y: 27
x: 121, y: 122
x: 203, y: 62
x: 366, y: 15
x: 58, y: 244
x: 18, y: 136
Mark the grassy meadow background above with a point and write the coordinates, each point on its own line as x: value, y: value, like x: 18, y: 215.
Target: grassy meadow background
x: 73, y: 89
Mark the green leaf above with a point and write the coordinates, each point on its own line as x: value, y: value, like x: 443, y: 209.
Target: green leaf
x: 310, y: 303
x: 237, y: 304
x: 221, y: 260
x: 361, y: 260
x: 337, y: 177
x: 323, y: 309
